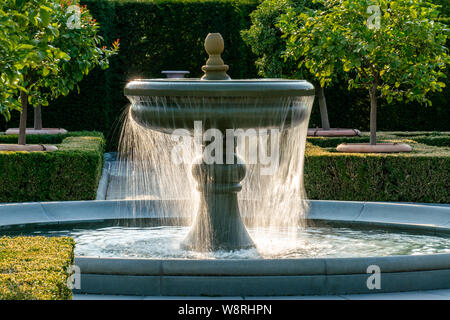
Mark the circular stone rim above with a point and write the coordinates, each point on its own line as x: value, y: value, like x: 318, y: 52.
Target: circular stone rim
x: 219, y: 88
x: 274, y: 277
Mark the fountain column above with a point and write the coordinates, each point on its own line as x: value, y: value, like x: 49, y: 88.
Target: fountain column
x: 218, y: 224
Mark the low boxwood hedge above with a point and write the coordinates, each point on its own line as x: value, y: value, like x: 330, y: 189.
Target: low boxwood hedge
x: 71, y: 173
x: 420, y: 176
x: 48, y: 138
x: 439, y: 139
x: 35, y: 268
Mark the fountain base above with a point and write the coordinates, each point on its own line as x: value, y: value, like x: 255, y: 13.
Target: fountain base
x: 218, y: 224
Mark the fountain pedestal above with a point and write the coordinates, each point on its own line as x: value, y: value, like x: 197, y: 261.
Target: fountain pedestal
x: 218, y: 224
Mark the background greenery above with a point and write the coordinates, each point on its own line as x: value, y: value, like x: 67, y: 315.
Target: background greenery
x: 420, y: 176
x: 168, y: 35
x: 71, y: 173
x: 35, y: 268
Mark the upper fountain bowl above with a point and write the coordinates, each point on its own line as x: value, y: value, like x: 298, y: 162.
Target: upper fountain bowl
x: 165, y: 105
x: 218, y: 101
x: 266, y: 88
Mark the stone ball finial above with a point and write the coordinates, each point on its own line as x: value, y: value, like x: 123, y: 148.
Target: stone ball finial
x: 215, y: 69
x: 214, y: 44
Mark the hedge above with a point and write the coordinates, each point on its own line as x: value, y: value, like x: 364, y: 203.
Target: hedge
x: 48, y: 138
x: 438, y: 139
x: 71, y: 173
x: 168, y: 35
x: 420, y: 176
x: 35, y: 268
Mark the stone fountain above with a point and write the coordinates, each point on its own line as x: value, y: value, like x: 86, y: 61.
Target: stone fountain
x: 131, y: 247
x: 219, y: 102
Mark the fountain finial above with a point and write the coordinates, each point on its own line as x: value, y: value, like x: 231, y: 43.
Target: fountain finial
x: 215, y: 69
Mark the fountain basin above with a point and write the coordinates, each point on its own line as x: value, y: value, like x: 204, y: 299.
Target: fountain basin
x: 249, y: 277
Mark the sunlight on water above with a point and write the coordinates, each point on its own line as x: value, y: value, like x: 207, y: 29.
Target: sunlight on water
x: 273, y: 182
x: 310, y: 242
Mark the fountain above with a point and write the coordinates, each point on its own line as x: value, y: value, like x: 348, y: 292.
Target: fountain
x: 131, y: 245
x: 218, y: 102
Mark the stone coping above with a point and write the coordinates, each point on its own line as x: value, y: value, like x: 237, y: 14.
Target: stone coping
x: 260, y: 267
x: 415, y: 216
x: 37, y: 131
x: 28, y: 147
x: 376, y: 148
x: 333, y: 132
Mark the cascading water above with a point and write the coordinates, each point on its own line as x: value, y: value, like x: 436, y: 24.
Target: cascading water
x: 203, y: 141
x: 156, y: 165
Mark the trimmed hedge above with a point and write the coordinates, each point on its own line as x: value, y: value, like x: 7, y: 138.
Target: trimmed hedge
x: 35, y: 268
x: 438, y: 139
x: 420, y: 176
x: 70, y: 173
x: 158, y: 35
x: 48, y: 138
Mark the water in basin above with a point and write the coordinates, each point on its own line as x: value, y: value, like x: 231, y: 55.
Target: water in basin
x: 163, y: 242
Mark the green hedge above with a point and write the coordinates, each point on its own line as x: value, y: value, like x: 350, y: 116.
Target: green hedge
x: 48, y: 138
x: 71, y: 173
x: 438, y: 139
x: 168, y: 35
x: 35, y: 268
x: 420, y: 176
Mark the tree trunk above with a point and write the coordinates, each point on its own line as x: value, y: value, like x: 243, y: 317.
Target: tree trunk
x: 23, y: 118
x: 323, y: 108
x: 373, y: 114
x: 38, y: 117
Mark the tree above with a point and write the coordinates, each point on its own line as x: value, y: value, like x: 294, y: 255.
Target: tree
x: 80, y: 41
x: 27, y: 28
x: 267, y: 42
x: 15, y: 52
x: 59, y: 44
x: 393, y: 48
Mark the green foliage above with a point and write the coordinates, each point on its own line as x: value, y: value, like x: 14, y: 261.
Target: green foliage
x: 270, y: 44
x: 25, y: 33
x: 266, y: 41
x: 70, y: 173
x: 438, y: 139
x: 168, y: 35
x: 404, y: 57
x: 35, y: 268
x: 49, y: 138
x: 43, y: 55
x: 422, y: 176
x: 82, y: 44
x: 155, y: 36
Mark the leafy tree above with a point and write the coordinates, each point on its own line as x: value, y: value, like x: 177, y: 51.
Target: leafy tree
x: 393, y: 48
x: 15, y: 55
x: 267, y: 42
x: 81, y: 42
x: 59, y: 44
x: 27, y: 33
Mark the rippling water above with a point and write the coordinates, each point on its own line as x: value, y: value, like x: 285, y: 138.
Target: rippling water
x: 164, y: 243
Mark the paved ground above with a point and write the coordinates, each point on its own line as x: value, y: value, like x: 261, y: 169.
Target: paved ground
x: 414, y: 295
